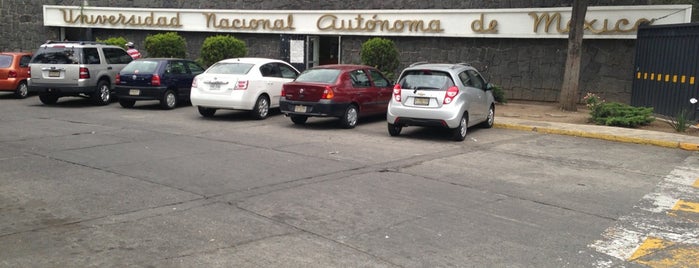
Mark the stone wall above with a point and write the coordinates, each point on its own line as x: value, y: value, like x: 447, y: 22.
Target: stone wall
x: 528, y: 69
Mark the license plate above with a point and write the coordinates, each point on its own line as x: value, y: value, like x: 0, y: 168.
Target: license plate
x: 422, y: 101
x: 300, y: 109
x: 134, y: 92
x: 54, y: 73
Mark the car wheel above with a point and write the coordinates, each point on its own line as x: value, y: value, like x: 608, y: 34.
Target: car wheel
x: 127, y: 103
x: 22, y: 90
x: 488, y: 123
x: 394, y: 130
x: 48, y: 98
x: 102, y: 95
x: 349, y: 119
x: 459, y: 133
x: 206, y: 112
x: 169, y: 100
x: 261, y: 109
x: 299, y: 119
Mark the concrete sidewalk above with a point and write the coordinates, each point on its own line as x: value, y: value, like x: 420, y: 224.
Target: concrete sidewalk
x: 619, y: 134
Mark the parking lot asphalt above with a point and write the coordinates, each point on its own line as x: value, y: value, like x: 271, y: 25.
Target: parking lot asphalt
x: 619, y: 134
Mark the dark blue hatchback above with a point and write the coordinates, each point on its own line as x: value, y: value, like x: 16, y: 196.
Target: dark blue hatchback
x: 167, y: 80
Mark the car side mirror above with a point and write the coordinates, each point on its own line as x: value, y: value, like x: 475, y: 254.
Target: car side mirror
x: 488, y: 86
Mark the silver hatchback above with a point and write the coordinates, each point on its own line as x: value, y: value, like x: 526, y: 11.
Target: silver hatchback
x: 454, y: 96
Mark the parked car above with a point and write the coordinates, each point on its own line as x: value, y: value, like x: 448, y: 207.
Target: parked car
x: 344, y: 91
x: 252, y: 84
x: 167, y: 80
x: 453, y: 96
x: 14, y: 71
x: 77, y: 68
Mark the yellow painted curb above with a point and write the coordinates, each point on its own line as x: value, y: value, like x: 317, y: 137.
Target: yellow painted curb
x: 608, y: 137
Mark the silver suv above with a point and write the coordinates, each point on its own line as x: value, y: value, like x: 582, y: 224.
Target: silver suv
x: 453, y: 96
x: 85, y: 69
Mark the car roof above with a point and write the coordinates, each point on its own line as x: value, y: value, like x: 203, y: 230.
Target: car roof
x: 15, y: 53
x: 76, y: 44
x: 160, y: 59
x: 252, y: 60
x: 343, y: 66
x: 440, y: 66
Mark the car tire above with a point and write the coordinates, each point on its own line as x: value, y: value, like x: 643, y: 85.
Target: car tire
x: 459, y: 133
x: 22, y: 90
x: 299, y: 119
x: 350, y: 117
x: 206, y: 112
x: 48, y: 98
x: 102, y: 95
x: 169, y: 100
x: 394, y: 130
x: 490, y: 120
x: 127, y: 103
x: 261, y: 109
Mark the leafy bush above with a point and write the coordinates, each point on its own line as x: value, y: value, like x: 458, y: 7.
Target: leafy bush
x: 617, y: 114
x: 115, y: 41
x: 499, y: 94
x: 220, y: 47
x: 166, y: 45
x: 382, y: 54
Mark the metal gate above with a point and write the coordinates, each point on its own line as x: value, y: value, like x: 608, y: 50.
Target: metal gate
x: 666, y: 69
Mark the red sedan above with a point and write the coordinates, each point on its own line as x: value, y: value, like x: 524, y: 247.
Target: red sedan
x: 343, y: 91
x: 14, y: 71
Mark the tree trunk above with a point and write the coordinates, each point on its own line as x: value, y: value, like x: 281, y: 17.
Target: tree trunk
x: 571, y: 77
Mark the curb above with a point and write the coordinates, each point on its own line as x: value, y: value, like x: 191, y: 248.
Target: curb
x: 609, y: 137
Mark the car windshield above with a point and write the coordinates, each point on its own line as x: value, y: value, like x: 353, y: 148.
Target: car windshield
x: 328, y: 76
x: 5, y: 61
x: 141, y: 66
x: 58, y: 55
x: 230, y: 68
x: 425, y: 79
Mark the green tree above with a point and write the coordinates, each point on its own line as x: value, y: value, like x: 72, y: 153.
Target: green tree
x: 220, y: 47
x: 382, y: 54
x: 115, y: 41
x: 166, y: 45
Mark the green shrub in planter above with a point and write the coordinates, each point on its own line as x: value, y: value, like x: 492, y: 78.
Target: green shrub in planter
x: 115, y: 41
x: 498, y: 94
x: 621, y: 115
x: 382, y: 54
x: 220, y: 47
x: 166, y: 45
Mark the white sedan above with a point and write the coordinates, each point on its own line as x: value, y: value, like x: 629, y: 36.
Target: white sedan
x: 251, y: 84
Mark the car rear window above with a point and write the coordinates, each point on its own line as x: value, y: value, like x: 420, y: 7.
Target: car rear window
x: 230, y: 68
x: 57, y: 55
x: 5, y: 61
x: 426, y: 79
x: 141, y: 66
x: 328, y: 76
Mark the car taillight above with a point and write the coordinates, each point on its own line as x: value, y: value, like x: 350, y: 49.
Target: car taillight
x: 117, y: 79
x: 328, y: 93
x: 155, y: 80
x: 84, y: 73
x: 242, y: 84
x: 194, y: 83
x: 396, y: 92
x: 283, y: 92
x: 12, y: 74
x: 451, y: 93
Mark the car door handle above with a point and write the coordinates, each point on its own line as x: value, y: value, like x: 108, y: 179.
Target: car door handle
x: 109, y: 68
